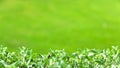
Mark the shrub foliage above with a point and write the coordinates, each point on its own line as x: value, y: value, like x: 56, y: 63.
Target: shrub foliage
x: 87, y: 58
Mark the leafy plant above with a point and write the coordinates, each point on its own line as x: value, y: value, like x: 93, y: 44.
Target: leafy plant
x: 88, y: 58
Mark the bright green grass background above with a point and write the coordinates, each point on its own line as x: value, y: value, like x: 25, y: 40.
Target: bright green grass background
x: 59, y: 24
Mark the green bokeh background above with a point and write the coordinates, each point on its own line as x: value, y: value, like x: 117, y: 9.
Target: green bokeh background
x: 59, y: 24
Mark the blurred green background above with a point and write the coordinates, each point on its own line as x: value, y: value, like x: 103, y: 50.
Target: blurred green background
x: 59, y: 24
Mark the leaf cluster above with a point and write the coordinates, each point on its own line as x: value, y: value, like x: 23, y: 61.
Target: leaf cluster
x: 87, y: 58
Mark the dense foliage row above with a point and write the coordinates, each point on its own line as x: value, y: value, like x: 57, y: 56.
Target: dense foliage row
x: 88, y: 58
